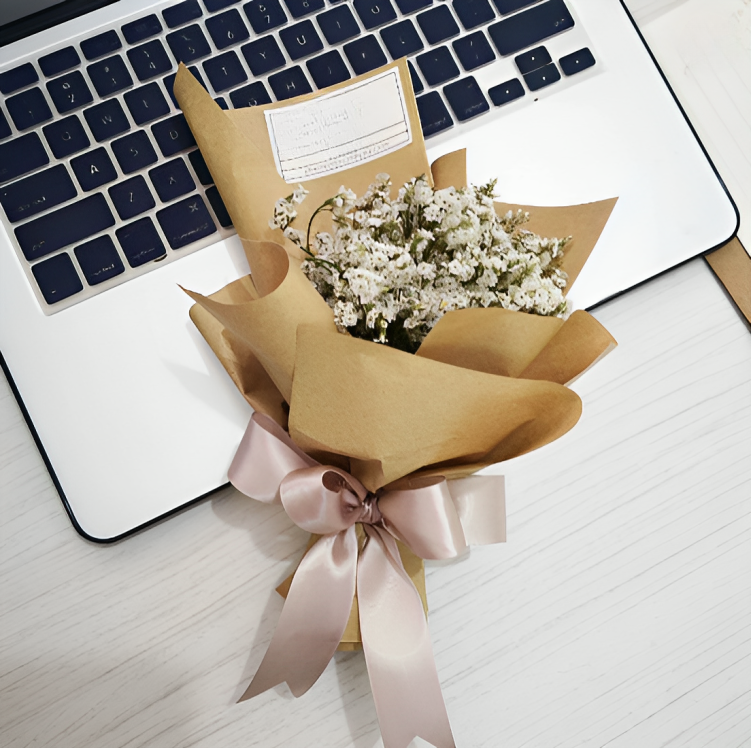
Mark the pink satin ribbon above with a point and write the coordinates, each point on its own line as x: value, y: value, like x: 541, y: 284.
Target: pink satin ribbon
x: 436, y: 519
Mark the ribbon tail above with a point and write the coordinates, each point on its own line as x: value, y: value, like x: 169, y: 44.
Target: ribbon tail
x: 398, y: 651
x: 480, y: 502
x: 314, y: 617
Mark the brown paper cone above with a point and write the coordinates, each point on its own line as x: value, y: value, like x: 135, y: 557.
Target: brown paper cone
x: 486, y: 384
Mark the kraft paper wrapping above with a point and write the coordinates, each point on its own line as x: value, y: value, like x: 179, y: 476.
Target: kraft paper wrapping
x: 485, y: 386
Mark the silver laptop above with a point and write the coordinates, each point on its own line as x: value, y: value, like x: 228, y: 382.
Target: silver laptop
x: 100, y: 181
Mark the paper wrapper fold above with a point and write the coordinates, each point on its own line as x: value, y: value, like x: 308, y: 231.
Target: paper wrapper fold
x: 485, y: 386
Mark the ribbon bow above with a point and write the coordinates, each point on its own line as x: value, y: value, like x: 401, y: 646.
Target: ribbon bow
x: 435, y: 518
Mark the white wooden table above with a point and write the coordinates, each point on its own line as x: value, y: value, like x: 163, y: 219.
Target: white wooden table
x: 618, y: 614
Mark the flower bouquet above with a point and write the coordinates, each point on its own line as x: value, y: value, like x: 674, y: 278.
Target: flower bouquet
x: 386, y: 345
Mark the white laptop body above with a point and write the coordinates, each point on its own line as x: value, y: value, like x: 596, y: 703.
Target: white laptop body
x: 132, y: 412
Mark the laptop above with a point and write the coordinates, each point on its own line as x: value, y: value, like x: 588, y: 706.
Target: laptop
x: 560, y: 100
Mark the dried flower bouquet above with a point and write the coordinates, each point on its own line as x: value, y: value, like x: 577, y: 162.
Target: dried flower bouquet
x: 351, y: 434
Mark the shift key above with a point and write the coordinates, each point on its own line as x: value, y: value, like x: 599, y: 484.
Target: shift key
x: 530, y: 27
x: 70, y: 224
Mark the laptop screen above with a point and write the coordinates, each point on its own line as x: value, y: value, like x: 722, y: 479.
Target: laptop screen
x: 21, y: 18
x: 12, y: 10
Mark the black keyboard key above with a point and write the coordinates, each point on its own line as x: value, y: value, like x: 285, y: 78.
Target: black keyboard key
x: 60, y: 61
x: 466, y: 99
x: 18, y: 78
x: 149, y: 60
x: 131, y: 197
x: 300, y: 8
x: 134, y: 152
x: 222, y: 102
x: 410, y: 6
x: 225, y: 71
x: 438, y: 24
x: 143, y: 28
x: 99, y: 260
x: 437, y: 66
x: 110, y: 76
x: 301, y: 40
x: 263, y: 55
x: 577, y: 61
x: 57, y: 278
x: 374, y: 13
x: 213, y: 5
x: 473, y: 51
x: 36, y: 193
x: 473, y: 13
x: 289, y: 83
x: 506, y: 92
x: 181, y: 13
x: 28, y: 108
x: 140, y: 242
x: 172, y: 180
x: 100, y: 45
x: 93, y: 169
x: 328, y: 69
x: 251, y: 95
x: 227, y: 29
x: 417, y: 84
x: 4, y: 126
x: 186, y: 222
x: 338, y: 24
x: 401, y: 39
x: 106, y: 120
x: 509, y: 6
x: 364, y: 54
x: 21, y: 155
x: 198, y: 162
x: 188, y: 44
x: 66, y: 136
x: 69, y: 92
x: 264, y: 15
x: 544, y: 76
x: 68, y: 225
x: 173, y: 135
x: 434, y: 116
x: 146, y: 103
x: 220, y: 209
x: 530, y: 27
x: 532, y: 60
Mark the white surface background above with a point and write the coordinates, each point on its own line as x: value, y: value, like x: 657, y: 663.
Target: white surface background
x: 618, y: 614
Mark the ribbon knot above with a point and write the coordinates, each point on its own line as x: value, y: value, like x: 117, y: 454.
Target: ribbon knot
x: 371, y: 514
x: 435, y: 518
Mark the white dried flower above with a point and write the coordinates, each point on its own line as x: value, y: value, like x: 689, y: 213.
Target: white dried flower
x: 391, y: 268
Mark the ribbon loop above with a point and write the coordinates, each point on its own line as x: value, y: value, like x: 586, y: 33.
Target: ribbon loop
x: 425, y: 519
x: 265, y: 456
x: 322, y: 500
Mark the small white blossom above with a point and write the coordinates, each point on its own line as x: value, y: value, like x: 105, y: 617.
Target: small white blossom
x: 391, y: 268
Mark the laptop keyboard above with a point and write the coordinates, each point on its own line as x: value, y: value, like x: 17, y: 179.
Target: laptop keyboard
x: 100, y: 178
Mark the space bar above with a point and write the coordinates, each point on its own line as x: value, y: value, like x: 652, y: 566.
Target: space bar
x: 62, y: 227
x: 531, y: 26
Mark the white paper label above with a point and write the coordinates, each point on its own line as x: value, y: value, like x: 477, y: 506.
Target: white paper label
x: 339, y: 130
